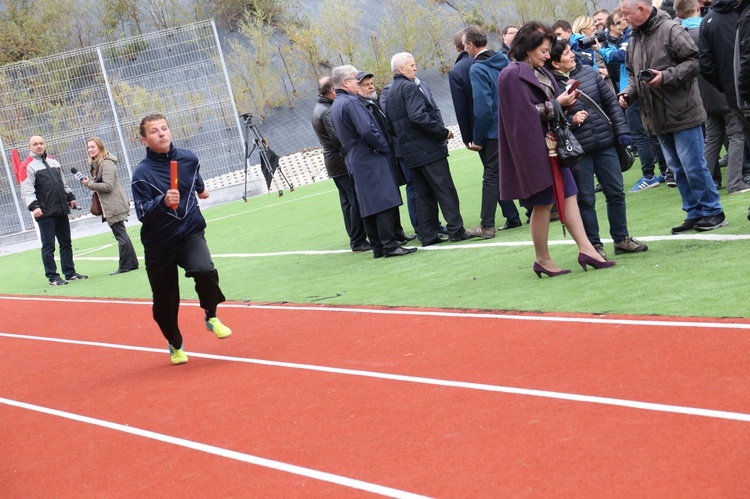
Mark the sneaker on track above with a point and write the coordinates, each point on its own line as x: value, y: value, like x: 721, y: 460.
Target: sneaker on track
x: 177, y: 356
x: 220, y: 330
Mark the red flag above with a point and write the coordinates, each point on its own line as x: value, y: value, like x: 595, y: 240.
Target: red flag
x: 19, y: 168
x: 175, y: 184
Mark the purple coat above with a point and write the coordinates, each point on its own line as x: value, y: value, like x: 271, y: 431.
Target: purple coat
x: 524, y: 164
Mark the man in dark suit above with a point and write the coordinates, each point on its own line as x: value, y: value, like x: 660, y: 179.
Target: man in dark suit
x: 336, y: 166
x: 422, y: 145
x: 458, y: 79
x: 368, y: 160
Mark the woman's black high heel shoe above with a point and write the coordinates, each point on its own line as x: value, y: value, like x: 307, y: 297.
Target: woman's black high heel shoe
x: 541, y: 270
x: 584, y: 259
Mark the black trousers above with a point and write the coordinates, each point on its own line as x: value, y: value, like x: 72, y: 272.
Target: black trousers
x: 355, y: 228
x: 51, y: 228
x: 382, y: 230
x: 161, y: 267
x: 434, y: 186
x: 128, y: 258
x: 491, y: 188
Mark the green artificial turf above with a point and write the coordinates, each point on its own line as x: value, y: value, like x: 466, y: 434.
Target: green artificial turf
x: 259, y: 248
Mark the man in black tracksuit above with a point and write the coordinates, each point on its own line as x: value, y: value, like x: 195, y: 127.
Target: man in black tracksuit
x: 173, y: 232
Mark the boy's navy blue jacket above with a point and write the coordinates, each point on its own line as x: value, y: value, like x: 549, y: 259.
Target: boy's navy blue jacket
x: 163, y: 226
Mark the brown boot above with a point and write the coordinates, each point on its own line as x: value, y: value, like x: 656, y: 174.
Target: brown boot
x: 481, y: 231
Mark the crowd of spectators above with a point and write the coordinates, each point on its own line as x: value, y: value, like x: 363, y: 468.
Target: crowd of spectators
x: 670, y: 82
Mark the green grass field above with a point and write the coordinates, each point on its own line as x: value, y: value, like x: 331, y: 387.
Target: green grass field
x: 294, y: 249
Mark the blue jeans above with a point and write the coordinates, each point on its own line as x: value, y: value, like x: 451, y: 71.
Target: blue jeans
x: 648, y: 148
x: 684, y: 153
x: 606, y: 164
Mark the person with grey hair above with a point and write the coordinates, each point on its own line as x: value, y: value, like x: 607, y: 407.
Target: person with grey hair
x: 422, y: 145
x: 662, y: 64
x: 368, y: 160
x: 336, y: 166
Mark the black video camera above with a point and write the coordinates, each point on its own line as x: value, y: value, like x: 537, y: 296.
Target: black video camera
x: 588, y: 41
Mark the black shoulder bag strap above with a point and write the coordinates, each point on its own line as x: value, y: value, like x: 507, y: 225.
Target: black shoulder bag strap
x: 598, y: 110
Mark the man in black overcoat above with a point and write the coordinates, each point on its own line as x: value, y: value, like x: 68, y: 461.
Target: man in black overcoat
x: 422, y: 145
x: 336, y: 165
x: 368, y: 159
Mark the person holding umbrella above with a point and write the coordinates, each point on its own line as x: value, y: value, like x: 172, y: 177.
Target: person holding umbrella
x: 527, y: 171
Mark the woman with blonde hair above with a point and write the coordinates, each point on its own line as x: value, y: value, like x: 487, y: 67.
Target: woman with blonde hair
x: 584, y: 27
x: 105, y: 182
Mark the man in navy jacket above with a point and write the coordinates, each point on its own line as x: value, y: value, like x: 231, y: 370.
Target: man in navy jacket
x: 173, y: 232
x: 368, y: 159
x: 483, y: 75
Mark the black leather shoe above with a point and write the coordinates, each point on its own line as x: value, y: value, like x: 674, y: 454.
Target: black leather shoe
x: 509, y: 225
x: 361, y: 248
x: 122, y: 271
x: 404, y: 237
x: 400, y: 251
x: 377, y: 253
x: 440, y: 239
x: 462, y: 237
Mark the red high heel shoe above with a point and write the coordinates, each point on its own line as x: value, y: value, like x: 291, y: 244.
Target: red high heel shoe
x: 541, y: 270
x: 584, y: 259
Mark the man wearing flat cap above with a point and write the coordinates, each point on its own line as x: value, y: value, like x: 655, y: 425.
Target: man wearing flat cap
x: 369, y: 98
x: 368, y: 160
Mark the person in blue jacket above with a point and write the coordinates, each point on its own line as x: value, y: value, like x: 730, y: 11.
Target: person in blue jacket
x: 173, y: 232
x: 483, y: 76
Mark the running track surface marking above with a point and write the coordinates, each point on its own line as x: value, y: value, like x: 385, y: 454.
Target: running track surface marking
x: 306, y: 401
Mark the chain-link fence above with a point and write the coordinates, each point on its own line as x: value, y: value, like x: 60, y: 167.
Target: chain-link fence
x: 105, y: 91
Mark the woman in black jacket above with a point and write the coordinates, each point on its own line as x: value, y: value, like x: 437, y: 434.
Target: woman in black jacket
x: 598, y: 142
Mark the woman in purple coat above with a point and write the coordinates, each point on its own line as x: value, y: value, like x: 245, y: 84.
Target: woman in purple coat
x: 525, y: 93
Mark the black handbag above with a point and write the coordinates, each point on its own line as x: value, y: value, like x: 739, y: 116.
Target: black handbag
x: 627, y: 158
x: 569, y: 150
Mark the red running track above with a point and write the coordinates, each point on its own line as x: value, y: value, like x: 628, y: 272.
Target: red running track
x: 485, y: 407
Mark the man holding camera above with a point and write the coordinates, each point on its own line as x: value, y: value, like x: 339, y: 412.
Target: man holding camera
x: 662, y: 64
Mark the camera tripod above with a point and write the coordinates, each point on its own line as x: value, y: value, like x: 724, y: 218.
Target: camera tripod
x: 269, y: 160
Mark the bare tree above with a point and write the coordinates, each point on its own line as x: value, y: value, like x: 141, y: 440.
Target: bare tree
x: 342, y: 22
x: 255, y: 77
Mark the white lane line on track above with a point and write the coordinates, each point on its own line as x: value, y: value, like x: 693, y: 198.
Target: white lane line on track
x: 570, y: 397
x: 219, y: 451
x: 427, y: 313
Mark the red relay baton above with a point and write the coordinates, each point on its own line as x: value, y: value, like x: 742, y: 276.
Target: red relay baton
x: 175, y: 181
